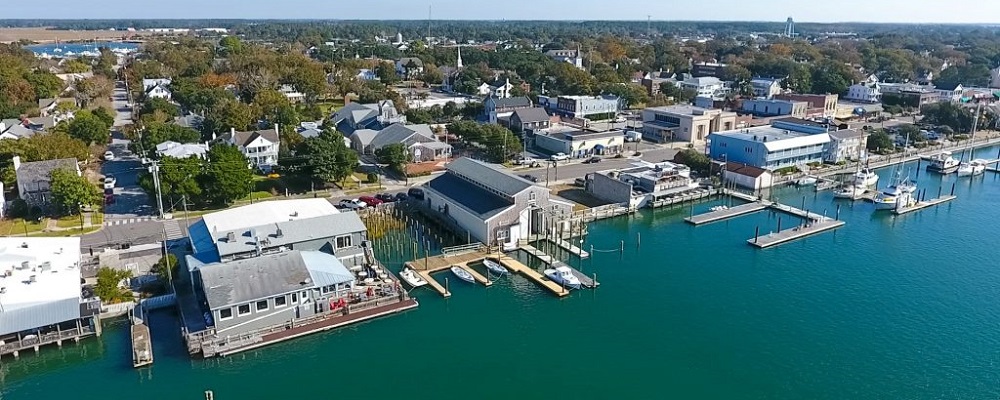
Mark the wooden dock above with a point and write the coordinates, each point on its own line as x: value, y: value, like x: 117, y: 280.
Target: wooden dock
x: 585, y: 280
x: 798, y: 232
x: 142, y: 349
x: 920, y: 205
x: 732, y: 212
x: 528, y: 272
x: 570, y: 247
x: 430, y: 265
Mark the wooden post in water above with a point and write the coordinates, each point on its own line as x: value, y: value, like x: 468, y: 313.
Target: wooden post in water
x: 595, y: 280
x: 447, y: 287
x: 756, y: 233
x: 779, y: 223
x: 838, y: 212
x: 638, y: 240
x: 953, y: 188
x: 939, y: 191
x: 621, y: 251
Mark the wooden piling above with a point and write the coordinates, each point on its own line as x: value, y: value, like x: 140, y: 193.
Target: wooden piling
x: 756, y: 233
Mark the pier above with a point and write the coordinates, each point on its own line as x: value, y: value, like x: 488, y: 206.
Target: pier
x: 585, y: 280
x: 798, y: 232
x: 563, y: 244
x: 724, y: 214
x: 430, y: 265
x: 920, y: 205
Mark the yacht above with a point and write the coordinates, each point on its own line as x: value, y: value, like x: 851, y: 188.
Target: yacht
x: 806, y: 181
x: 972, y: 168
x: 865, y: 177
x: 563, y: 276
x: 900, y: 192
x: 943, y: 163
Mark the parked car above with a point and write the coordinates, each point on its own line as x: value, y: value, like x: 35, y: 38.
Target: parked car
x: 109, y: 156
x: 530, y: 178
x: 352, y: 204
x: 559, y: 157
x: 620, y: 119
x: 580, y: 182
x: 416, y: 194
x: 401, y: 196
x: 109, y: 182
x: 592, y: 160
x: 386, y: 197
x: 370, y: 201
x: 109, y: 199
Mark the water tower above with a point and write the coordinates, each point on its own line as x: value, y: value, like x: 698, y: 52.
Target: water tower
x: 789, y: 27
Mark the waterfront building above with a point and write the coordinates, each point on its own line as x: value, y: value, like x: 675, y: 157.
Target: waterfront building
x: 489, y: 204
x: 907, y: 95
x: 773, y: 108
x: 747, y: 176
x: 769, y: 147
x: 579, y: 143
x: 949, y: 92
x: 846, y: 144
x: 685, y: 123
x: 42, y: 300
x: 639, y: 185
x: 820, y: 105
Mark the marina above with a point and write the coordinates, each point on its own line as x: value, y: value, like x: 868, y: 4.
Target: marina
x: 920, y: 205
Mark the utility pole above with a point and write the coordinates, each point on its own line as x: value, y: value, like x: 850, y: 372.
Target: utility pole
x: 155, y: 170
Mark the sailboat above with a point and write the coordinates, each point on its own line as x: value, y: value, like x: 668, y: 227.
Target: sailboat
x: 976, y: 166
x: 860, y: 181
x: 900, y: 192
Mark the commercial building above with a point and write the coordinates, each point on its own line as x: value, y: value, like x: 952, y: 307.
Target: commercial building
x: 712, y: 69
x: 820, y: 105
x: 579, y: 143
x: 846, y: 144
x: 685, y: 123
x: 907, y: 95
x: 41, y: 299
x: 768, y: 147
x: 490, y: 204
x: 949, y: 92
x: 773, y: 108
x: 586, y: 107
x: 705, y: 86
x: 643, y: 183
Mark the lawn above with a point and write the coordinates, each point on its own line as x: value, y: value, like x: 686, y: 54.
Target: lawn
x: 14, y: 227
x: 258, y: 196
x: 329, y: 106
x: 69, y: 221
x: 70, y: 232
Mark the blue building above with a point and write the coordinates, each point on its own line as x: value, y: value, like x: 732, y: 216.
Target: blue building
x: 769, y: 147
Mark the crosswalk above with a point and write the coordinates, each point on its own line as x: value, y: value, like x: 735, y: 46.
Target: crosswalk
x: 172, y: 230
x: 124, y: 221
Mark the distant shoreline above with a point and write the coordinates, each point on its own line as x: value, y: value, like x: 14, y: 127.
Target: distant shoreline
x: 51, y: 35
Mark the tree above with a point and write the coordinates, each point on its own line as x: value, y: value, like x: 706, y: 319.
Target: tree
x: 104, y: 115
x: 158, y: 132
x: 912, y: 133
x: 395, y: 155
x: 164, y: 106
x: 111, y: 285
x: 832, y: 77
x: 94, y: 87
x: 179, y: 178
x: 46, y: 84
x: 629, y: 93
x: 695, y: 160
x: 432, y: 75
x: 680, y: 96
x: 329, y: 159
x: 229, y: 114
x: 230, y: 45
x: 161, y: 267
x: 70, y: 191
x: 89, y: 128
x: 880, y: 141
x: 977, y: 75
x: 228, y: 176
x: 386, y: 73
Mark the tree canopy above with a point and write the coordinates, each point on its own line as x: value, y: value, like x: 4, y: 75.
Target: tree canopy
x: 89, y: 128
x: 70, y: 191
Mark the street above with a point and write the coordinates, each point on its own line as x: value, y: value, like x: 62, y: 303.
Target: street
x: 131, y: 202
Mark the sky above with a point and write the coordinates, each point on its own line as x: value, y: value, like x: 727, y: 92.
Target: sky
x: 904, y: 11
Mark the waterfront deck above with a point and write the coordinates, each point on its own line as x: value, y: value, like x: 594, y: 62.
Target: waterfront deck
x: 585, y: 280
x: 920, y: 205
x: 720, y: 215
x: 798, y: 232
x: 142, y: 348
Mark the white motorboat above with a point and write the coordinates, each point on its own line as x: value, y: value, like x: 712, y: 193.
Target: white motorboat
x: 411, y: 278
x: 943, y: 163
x: 852, y: 192
x: 806, y: 181
x: 563, y: 276
x: 494, y: 267
x: 865, y: 177
x: 900, y: 192
x: 462, y: 274
x: 972, y: 168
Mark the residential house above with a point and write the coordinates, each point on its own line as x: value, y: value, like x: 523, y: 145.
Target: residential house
x: 949, y: 92
x: 865, y: 92
x: 846, y: 144
x: 47, y: 107
x: 771, y: 108
x: 765, y: 88
x: 72, y: 78
x: 747, y: 176
x: 529, y: 119
x: 490, y: 204
x: 157, y: 88
x: 366, y: 75
x: 293, y: 96
x: 820, y: 105
x: 495, y: 108
x: 375, y: 116
x: 181, y: 150
x: 587, y: 107
x: 409, y: 67
x: 685, y: 123
x: 705, y: 86
x: 578, y: 143
x: 260, y: 146
x: 41, y: 296
x: 15, y: 128
x: 309, y: 129
x: 768, y: 147
x: 500, y: 90
x: 34, y: 179
x: 418, y: 139
x: 573, y: 57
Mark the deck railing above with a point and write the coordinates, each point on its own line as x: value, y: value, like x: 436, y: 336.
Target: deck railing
x: 44, y: 339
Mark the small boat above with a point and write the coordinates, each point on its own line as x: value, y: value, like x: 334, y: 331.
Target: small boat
x: 900, y: 193
x: 563, y: 276
x: 943, y: 163
x: 973, y: 168
x: 806, y: 181
x: 865, y: 177
x: 494, y: 267
x: 411, y: 278
x: 462, y: 274
x: 850, y: 192
x: 718, y: 208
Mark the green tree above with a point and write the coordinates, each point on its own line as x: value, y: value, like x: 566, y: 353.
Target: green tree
x: 179, y: 178
x: 329, y: 159
x: 879, y: 141
x: 231, y: 45
x: 680, y: 96
x: 386, y: 73
x: 912, y: 133
x: 695, y: 160
x: 94, y: 87
x: 111, y: 285
x: 46, y: 84
x: 227, y: 176
x: 89, y: 128
x: 153, y: 105
x: 229, y: 114
x: 104, y: 115
x: 70, y: 191
x: 166, y: 268
x: 395, y: 155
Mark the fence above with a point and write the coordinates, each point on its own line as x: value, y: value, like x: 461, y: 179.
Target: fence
x: 46, y: 338
x: 117, y: 309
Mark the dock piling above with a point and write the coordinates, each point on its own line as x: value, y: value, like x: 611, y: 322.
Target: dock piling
x: 447, y: 286
x: 621, y: 250
x: 939, y: 191
x: 953, y: 188
x: 638, y: 240
x: 779, y: 223
x: 838, y: 212
x: 756, y: 233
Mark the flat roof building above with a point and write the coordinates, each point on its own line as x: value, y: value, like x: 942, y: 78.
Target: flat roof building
x: 768, y: 147
x: 685, y: 123
x: 578, y: 143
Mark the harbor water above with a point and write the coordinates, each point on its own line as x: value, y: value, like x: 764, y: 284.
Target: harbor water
x: 886, y: 307
x: 91, y: 49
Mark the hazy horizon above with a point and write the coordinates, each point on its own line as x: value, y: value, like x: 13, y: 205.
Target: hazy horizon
x: 844, y: 11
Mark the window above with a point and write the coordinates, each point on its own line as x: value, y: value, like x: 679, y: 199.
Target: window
x: 295, y: 297
x: 262, y: 305
x: 225, y: 313
x: 243, y: 310
x: 280, y: 301
x: 343, y: 241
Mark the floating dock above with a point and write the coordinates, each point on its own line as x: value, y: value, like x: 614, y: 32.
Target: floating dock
x: 518, y: 267
x: 570, y: 247
x: 430, y: 265
x: 798, y: 232
x: 920, y: 205
x: 732, y: 212
x: 585, y: 280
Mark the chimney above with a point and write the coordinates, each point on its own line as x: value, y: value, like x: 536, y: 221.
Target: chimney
x: 232, y: 131
x: 17, y: 162
x: 276, y: 129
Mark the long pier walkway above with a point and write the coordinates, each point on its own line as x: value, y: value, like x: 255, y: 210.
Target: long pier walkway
x: 798, y: 232
x: 920, y: 205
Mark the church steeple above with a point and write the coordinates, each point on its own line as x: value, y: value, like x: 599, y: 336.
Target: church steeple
x: 458, y: 64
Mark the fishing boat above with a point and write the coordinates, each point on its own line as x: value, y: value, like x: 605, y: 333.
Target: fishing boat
x: 865, y: 177
x: 973, y: 168
x: 494, y: 267
x: 563, y: 276
x: 900, y: 192
x: 462, y: 274
x: 943, y: 163
x: 411, y: 278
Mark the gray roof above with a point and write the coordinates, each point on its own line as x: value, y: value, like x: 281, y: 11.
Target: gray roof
x: 41, y: 122
x: 324, y: 227
x: 488, y: 175
x: 511, y: 102
x: 310, y: 132
x: 20, y: 131
x: 405, y: 134
x: 38, y: 171
x: 245, y: 138
x: 469, y: 195
x: 365, y: 136
x: 244, y: 281
x: 190, y: 121
x: 846, y: 134
x: 355, y: 113
x: 433, y: 145
x: 536, y: 114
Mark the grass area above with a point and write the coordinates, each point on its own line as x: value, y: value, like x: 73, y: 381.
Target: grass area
x: 14, y: 227
x: 257, y: 196
x: 329, y: 106
x: 97, y: 218
x: 70, y: 232
x: 69, y: 221
x: 367, y: 190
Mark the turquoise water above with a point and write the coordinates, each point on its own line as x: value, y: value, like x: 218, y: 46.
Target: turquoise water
x: 885, y: 307
x: 67, y: 49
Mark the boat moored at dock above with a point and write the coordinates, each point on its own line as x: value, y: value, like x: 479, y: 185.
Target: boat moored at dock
x: 462, y: 274
x: 943, y: 163
x: 412, y: 278
x: 973, y: 168
x: 494, y: 267
x: 563, y: 276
